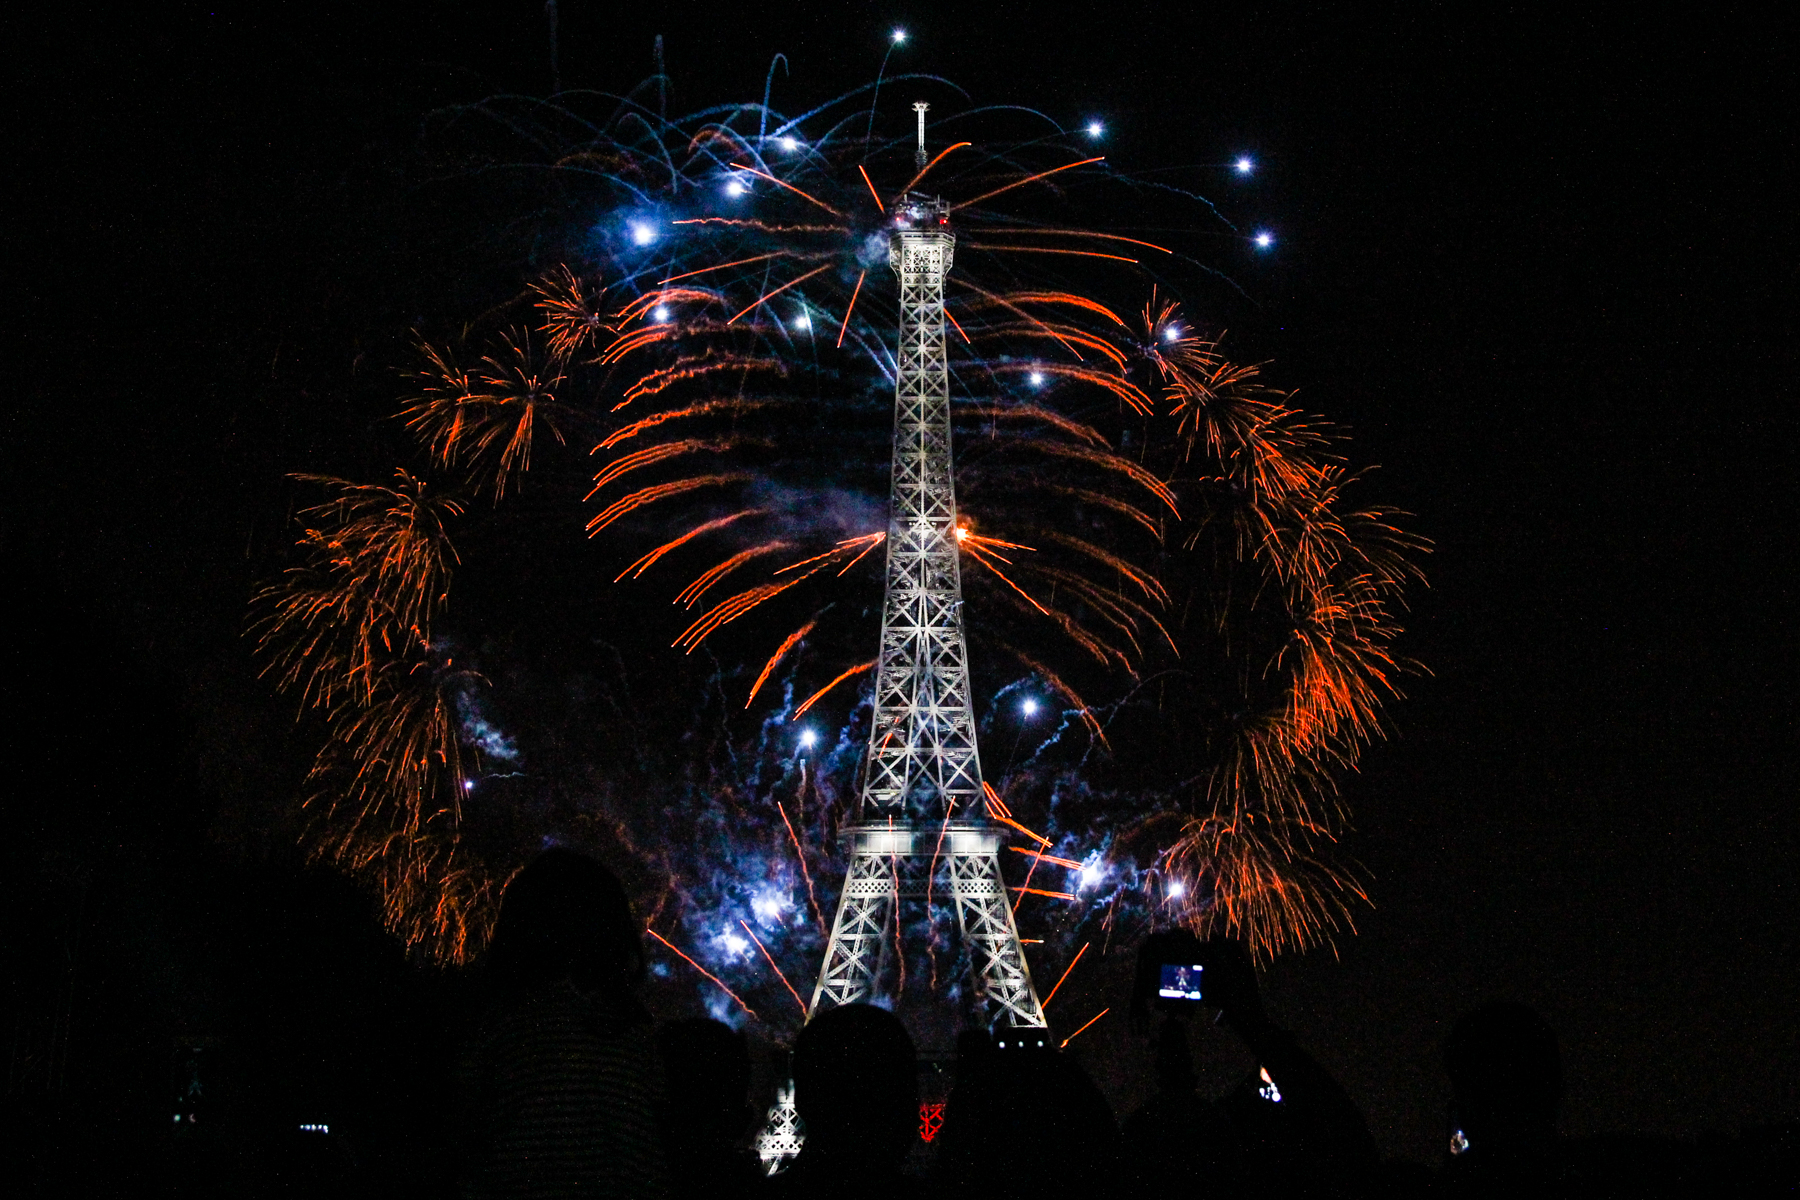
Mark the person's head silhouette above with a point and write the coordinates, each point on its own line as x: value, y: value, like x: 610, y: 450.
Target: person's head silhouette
x: 856, y: 1086
x: 1506, y: 1073
x: 566, y: 917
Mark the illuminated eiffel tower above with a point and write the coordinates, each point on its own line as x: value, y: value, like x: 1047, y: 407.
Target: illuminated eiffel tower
x: 920, y: 828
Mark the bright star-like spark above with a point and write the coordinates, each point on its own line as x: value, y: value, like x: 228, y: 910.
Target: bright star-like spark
x: 1245, y: 165
x: 1037, y: 378
x: 790, y: 143
x: 735, y: 188
x: 1095, y: 129
x: 802, y: 322
x: 660, y: 312
x: 1264, y: 240
x: 1171, y: 334
x: 642, y: 233
x: 808, y: 737
x: 1029, y: 707
x: 899, y: 35
x: 1177, y: 890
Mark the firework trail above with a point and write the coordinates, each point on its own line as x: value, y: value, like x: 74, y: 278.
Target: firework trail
x: 1154, y: 543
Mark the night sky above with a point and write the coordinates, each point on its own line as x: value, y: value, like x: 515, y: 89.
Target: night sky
x: 1532, y: 261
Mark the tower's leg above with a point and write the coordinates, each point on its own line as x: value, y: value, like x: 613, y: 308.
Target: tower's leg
x: 997, y: 960
x: 853, y: 957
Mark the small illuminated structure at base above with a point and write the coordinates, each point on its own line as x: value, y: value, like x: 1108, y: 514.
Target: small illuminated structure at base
x: 781, y: 1137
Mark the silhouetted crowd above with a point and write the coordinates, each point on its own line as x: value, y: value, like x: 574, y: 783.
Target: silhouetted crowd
x: 571, y: 1090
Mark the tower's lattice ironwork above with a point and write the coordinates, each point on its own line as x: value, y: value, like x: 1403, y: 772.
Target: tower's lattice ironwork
x: 920, y: 829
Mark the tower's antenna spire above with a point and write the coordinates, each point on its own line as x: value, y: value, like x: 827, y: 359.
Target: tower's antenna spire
x: 919, y: 106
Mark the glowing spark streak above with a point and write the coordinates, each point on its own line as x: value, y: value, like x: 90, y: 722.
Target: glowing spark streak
x: 1149, y: 585
x: 1029, y: 872
x: 1049, y: 858
x: 988, y: 541
x: 800, y: 854
x: 790, y: 187
x: 660, y: 491
x: 1086, y: 233
x: 1036, y: 837
x: 778, y: 974
x: 872, y: 191
x: 727, y: 611
x: 764, y: 227
x: 649, y: 457
x: 649, y: 560
x: 981, y: 558
x: 1028, y: 179
x: 706, y: 408
x: 1138, y: 474
x: 874, y: 541
x: 1022, y: 314
x: 1068, y: 298
x: 996, y: 806
x: 955, y: 324
x: 1068, y: 425
x: 1065, y: 974
x: 926, y: 169
x: 820, y: 694
x: 1041, y: 892
x: 871, y: 538
x: 1078, y: 1032
x: 690, y: 962
x: 998, y: 249
x: 793, y: 639
x: 722, y: 266
x: 844, y: 328
x: 767, y: 296
x: 691, y: 594
x: 931, y: 882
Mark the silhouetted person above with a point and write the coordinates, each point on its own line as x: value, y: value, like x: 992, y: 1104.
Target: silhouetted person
x: 1505, y: 1071
x: 856, y: 1088
x: 1312, y: 1141
x: 564, y: 1085
x: 1297, y: 1133
x: 1506, y: 1076
x: 1180, y: 1143
x: 706, y: 1067
x: 1024, y: 1120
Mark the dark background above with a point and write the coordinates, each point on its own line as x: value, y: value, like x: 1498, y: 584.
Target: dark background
x: 1539, y: 262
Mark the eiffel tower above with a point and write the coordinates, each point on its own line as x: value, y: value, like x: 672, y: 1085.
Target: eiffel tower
x: 920, y: 814
x: 920, y: 829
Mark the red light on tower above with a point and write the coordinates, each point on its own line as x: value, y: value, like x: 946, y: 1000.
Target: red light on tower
x: 931, y: 1119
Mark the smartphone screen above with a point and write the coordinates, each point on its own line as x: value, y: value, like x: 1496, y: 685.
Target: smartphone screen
x: 1180, y: 982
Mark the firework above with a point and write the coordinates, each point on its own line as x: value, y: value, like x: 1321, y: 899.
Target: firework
x: 1150, y: 536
